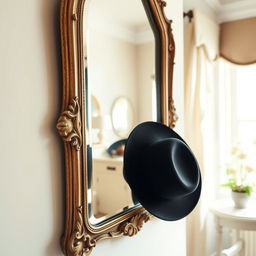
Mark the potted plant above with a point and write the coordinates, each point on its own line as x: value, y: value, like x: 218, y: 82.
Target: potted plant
x: 241, y: 177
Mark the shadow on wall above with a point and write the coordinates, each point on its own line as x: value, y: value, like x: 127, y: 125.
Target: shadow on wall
x: 49, y: 15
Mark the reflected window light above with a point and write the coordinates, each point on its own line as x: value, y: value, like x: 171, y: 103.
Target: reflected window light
x: 120, y: 115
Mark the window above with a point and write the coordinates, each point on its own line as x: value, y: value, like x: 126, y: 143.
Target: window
x: 244, y: 118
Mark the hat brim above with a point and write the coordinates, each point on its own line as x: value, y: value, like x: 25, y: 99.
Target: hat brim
x: 173, y: 209
x: 139, y: 140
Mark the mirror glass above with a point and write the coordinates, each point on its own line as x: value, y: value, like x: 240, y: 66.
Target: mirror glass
x: 96, y: 131
x: 119, y: 54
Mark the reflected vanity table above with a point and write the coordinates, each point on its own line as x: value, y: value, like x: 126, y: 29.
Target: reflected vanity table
x: 226, y: 215
x: 110, y: 191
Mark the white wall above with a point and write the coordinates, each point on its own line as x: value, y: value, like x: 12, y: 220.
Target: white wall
x: 31, y: 169
x: 31, y: 157
x: 200, y: 5
x: 145, y: 66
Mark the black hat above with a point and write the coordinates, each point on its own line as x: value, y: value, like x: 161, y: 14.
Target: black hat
x: 162, y: 171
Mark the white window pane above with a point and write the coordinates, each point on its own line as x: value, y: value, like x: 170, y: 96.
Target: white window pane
x: 247, y: 131
x: 246, y: 92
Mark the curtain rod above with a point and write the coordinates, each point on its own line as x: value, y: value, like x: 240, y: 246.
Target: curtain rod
x: 188, y: 14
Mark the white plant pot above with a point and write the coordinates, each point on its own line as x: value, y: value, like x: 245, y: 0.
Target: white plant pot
x: 240, y: 199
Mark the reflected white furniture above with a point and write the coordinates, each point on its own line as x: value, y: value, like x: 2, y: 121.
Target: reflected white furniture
x: 110, y: 190
x: 226, y: 215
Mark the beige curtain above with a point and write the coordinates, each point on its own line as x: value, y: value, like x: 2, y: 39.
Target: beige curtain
x: 201, y: 49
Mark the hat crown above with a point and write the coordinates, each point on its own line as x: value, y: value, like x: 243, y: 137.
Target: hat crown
x: 170, y: 169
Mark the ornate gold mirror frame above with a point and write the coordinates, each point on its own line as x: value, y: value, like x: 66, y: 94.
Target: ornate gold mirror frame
x: 80, y: 236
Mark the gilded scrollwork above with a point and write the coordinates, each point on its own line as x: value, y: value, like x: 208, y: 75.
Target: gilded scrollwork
x: 134, y: 225
x: 171, y: 46
x: 161, y: 3
x: 173, y: 117
x: 81, y: 243
x: 69, y: 124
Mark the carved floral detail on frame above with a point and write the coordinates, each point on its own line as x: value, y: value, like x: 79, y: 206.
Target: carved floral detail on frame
x: 81, y: 243
x: 173, y: 117
x: 69, y: 124
x: 161, y: 3
x: 134, y: 225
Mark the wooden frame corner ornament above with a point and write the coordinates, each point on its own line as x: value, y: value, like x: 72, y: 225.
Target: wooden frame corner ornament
x: 69, y: 124
x: 80, y: 236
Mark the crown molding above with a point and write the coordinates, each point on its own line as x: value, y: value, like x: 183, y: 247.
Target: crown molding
x: 237, y: 15
x: 214, y: 4
x: 233, y: 11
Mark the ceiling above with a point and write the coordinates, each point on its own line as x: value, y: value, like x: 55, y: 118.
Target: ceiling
x: 130, y: 14
x: 227, y: 10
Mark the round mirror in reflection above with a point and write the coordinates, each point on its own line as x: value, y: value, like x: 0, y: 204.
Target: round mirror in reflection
x: 95, y: 107
x: 122, y: 116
